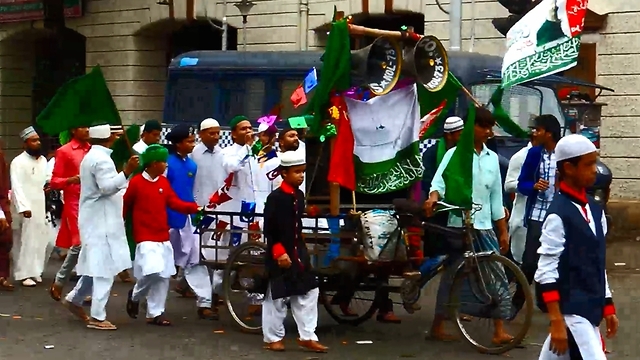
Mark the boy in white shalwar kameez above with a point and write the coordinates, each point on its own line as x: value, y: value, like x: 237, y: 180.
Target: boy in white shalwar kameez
x: 571, y: 280
x: 147, y: 197
x: 288, y: 263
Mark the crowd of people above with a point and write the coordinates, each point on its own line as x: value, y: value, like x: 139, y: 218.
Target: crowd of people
x: 110, y: 223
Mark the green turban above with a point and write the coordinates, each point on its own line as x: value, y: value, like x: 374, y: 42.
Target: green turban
x: 153, y: 153
x: 237, y: 120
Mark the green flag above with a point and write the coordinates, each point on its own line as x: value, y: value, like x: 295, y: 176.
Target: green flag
x: 121, y: 149
x: 502, y: 117
x: 458, y: 175
x: 430, y: 101
x: 336, y: 61
x: 81, y: 102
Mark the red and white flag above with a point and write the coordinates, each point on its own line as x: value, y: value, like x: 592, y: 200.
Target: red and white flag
x: 430, y: 118
x: 222, y: 195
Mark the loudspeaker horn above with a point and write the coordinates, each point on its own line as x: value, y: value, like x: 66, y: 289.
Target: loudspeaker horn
x: 428, y: 63
x: 378, y: 65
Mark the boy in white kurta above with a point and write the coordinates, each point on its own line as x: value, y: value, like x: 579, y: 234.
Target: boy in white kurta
x: 105, y: 251
x: 147, y: 197
x: 31, y: 233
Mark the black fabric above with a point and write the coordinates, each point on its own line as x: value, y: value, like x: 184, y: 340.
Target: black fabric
x: 581, y: 268
x: 574, y: 350
x: 283, y: 225
x: 430, y: 163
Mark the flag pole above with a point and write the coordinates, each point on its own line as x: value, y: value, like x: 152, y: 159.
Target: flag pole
x: 471, y: 97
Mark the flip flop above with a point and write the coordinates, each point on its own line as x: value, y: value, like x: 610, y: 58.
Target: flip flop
x: 159, y: 320
x: 101, y: 325
x: 77, y: 311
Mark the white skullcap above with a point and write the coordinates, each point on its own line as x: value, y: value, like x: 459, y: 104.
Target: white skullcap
x: 208, y: 124
x: 262, y: 127
x: 27, y: 133
x: 573, y: 145
x: 100, y: 132
x: 292, y: 158
x: 453, y: 124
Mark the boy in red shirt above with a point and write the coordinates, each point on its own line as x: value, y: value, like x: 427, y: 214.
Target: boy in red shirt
x: 148, y: 195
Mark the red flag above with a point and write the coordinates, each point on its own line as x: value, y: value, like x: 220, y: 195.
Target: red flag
x: 299, y: 97
x: 341, y: 168
x: 428, y: 119
x: 222, y: 195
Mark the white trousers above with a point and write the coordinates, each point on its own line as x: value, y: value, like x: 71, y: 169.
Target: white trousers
x: 587, y: 345
x: 155, y: 289
x: 304, y: 310
x: 98, y: 288
x: 199, y: 281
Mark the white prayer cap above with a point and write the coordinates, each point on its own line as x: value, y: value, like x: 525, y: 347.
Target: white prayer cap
x: 453, y: 124
x: 262, y: 127
x: 292, y: 158
x: 573, y: 145
x: 100, y: 132
x: 27, y: 133
x: 209, y: 123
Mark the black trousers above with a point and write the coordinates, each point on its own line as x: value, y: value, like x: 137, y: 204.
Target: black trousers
x: 530, y: 259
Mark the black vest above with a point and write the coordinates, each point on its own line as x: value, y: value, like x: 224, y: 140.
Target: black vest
x: 581, y: 269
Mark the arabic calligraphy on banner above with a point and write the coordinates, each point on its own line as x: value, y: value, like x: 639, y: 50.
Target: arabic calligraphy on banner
x: 404, y: 173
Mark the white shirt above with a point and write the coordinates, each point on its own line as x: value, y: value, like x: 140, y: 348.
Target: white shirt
x: 210, y: 175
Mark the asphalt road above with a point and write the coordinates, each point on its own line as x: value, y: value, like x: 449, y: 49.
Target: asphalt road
x: 32, y: 326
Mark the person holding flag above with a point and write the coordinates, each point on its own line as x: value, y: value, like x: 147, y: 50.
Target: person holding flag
x: 470, y: 173
x: 153, y: 263
x: 181, y: 172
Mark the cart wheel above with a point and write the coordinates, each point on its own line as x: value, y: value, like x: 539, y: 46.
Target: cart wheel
x: 481, y: 292
x: 245, y: 283
x: 362, y: 304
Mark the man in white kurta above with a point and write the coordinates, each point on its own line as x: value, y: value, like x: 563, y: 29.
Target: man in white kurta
x: 105, y: 251
x: 517, y: 230
x: 31, y: 233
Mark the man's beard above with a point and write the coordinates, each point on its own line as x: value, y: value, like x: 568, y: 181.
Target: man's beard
x: 291, y: 147
x: 34, y: 152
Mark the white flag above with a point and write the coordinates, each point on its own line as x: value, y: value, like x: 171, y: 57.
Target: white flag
x: 545, y: 41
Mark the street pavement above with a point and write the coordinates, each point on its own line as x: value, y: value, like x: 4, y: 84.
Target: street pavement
x: 32, y: 326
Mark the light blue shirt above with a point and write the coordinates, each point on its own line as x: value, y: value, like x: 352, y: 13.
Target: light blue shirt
x: 487, y: 188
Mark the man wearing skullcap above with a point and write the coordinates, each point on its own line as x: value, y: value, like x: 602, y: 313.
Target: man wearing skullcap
x: 151, y: 132
x: 154, y: 262
x: 537, y: 182
x: 241, y: 171
x: 433, y: 155
x: 181, y: 172
x: 66, y: 178
x: 105, y: 252
x: 31, y: 233
x: 571, y: 280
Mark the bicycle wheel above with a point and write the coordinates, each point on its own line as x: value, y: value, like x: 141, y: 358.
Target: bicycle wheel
x: 244, y: 282
x: 361, y: 301
x: 481, y: 292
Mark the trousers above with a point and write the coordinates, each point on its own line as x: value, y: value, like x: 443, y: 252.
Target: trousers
x: 98, y: 288
x: 68, y: 265
x: 304, y: 309
x: 155, y: 289
x: 585, y: 342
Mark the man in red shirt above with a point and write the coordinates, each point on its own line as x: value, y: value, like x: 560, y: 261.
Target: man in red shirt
x: 147, y: 197
x: 66, y: 177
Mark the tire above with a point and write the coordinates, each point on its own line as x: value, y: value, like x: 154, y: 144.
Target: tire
x: 326, y: 294
x: 236, y: 262
x: 466, y: 273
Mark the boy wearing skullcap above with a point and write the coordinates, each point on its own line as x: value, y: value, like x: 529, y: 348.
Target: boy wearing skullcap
x: 181, y: 173
x: 571, y: 280
x: 149, y: 192
x: 287, y: 261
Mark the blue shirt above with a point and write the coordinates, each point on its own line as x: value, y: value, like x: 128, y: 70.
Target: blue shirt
x: 487, y: 188
x: 181, y: 173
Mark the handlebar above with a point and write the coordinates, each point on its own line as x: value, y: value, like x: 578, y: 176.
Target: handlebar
x: 448, y: 207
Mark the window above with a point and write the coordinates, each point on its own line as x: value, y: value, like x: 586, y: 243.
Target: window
x: 192, y: 100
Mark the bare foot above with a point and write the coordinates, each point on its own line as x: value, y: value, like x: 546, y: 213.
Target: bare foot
x: 501, y: 338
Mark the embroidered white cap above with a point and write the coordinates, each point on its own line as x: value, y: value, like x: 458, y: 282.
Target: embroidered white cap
x: 573, y: 145
x: 209, y: 123
x: 292, y: 158
x: 453, y: 124
x: 27, y: 133
x: 100, y: 132
x: 262, y: 127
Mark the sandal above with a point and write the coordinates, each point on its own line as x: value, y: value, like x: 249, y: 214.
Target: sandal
x: 76, y: 310
x: 159, y: 321
x: 133, y: 307
x: 5, y: 285
x: 208, y: 314
x: 101, y: 325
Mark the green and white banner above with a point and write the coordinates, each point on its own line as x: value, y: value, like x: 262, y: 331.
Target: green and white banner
x: 545, y: 41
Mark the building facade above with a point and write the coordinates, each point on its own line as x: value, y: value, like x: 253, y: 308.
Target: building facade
x: 133, y: 42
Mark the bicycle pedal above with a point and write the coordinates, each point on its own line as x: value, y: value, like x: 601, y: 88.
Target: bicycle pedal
x: 412, y: 275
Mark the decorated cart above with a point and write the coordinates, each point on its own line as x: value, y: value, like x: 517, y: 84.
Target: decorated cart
x: 365, y: 254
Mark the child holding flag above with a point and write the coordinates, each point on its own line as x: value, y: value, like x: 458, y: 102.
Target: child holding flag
x: 148, y: 194
x: 571, y: 280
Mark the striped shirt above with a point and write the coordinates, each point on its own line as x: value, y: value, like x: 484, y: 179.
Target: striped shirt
x: 547, y: 171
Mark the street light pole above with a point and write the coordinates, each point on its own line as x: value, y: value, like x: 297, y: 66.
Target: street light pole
x: 244, y: 6
x: 455, y: 25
